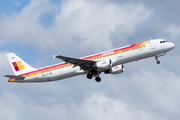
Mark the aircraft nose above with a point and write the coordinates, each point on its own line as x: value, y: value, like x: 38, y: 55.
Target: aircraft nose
x: 171, y: 45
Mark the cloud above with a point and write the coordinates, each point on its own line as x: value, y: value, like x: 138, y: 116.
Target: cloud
x: 133, y: 99
x: 80, y: 25
x: 91, y: 23
x: 25, y: 27
x: 4, y: 62
x: 13, y: 107
x: 174, y: 31
x: 99, y: 106
x: 156, y: 93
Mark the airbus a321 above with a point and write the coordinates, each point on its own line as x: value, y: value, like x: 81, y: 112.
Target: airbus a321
x: 109, y: 62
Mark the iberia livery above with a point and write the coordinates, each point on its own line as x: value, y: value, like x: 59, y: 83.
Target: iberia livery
x: 109, y: 62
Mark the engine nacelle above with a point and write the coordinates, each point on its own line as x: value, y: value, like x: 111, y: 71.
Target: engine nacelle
x: 104, y: 64
x: 115, y: 70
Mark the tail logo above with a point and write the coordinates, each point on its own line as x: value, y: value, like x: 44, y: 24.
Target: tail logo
x: 18, y: 65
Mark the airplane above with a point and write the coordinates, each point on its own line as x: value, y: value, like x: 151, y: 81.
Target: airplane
x: 108, y: 62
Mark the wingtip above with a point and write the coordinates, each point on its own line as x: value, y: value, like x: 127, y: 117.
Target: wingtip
x: 54, y: 56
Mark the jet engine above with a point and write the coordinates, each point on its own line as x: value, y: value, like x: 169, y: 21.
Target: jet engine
x: 103, y: 64
x: 115, y: 70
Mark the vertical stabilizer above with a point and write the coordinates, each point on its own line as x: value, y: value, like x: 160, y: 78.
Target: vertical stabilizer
x: 18, y: 65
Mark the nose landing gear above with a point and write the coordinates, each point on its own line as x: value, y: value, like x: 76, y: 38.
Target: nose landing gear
x: 157, y: 61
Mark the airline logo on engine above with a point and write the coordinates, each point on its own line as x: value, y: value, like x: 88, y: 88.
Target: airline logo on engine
x: 104, y: 62
x: 116, y: 68
x: 18, y: 65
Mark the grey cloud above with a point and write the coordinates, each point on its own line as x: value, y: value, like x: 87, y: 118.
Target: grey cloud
x: 164, y: 15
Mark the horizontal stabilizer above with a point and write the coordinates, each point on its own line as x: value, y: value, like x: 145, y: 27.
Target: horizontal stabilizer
x: 15, y: 76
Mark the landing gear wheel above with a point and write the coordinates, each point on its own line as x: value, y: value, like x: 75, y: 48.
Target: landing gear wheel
x: 98, y: 79
x: 158, y: 62
x: 89, y: 76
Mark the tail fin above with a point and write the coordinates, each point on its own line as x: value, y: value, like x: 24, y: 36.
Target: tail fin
x: 18, y: 65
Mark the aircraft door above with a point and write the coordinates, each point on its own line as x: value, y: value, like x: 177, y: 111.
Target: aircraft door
x: 153, y: 45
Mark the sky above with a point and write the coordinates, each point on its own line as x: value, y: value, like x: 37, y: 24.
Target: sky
x: 37, y: 29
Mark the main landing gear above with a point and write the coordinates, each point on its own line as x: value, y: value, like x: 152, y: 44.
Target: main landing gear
x: 94, y: 73
x: 98, y: 79
x: 89, y: 76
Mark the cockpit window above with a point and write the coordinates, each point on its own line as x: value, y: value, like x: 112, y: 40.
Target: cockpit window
x: 163, y: 41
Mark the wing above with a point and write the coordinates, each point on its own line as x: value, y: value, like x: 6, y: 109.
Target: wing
x: 82, y: 63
